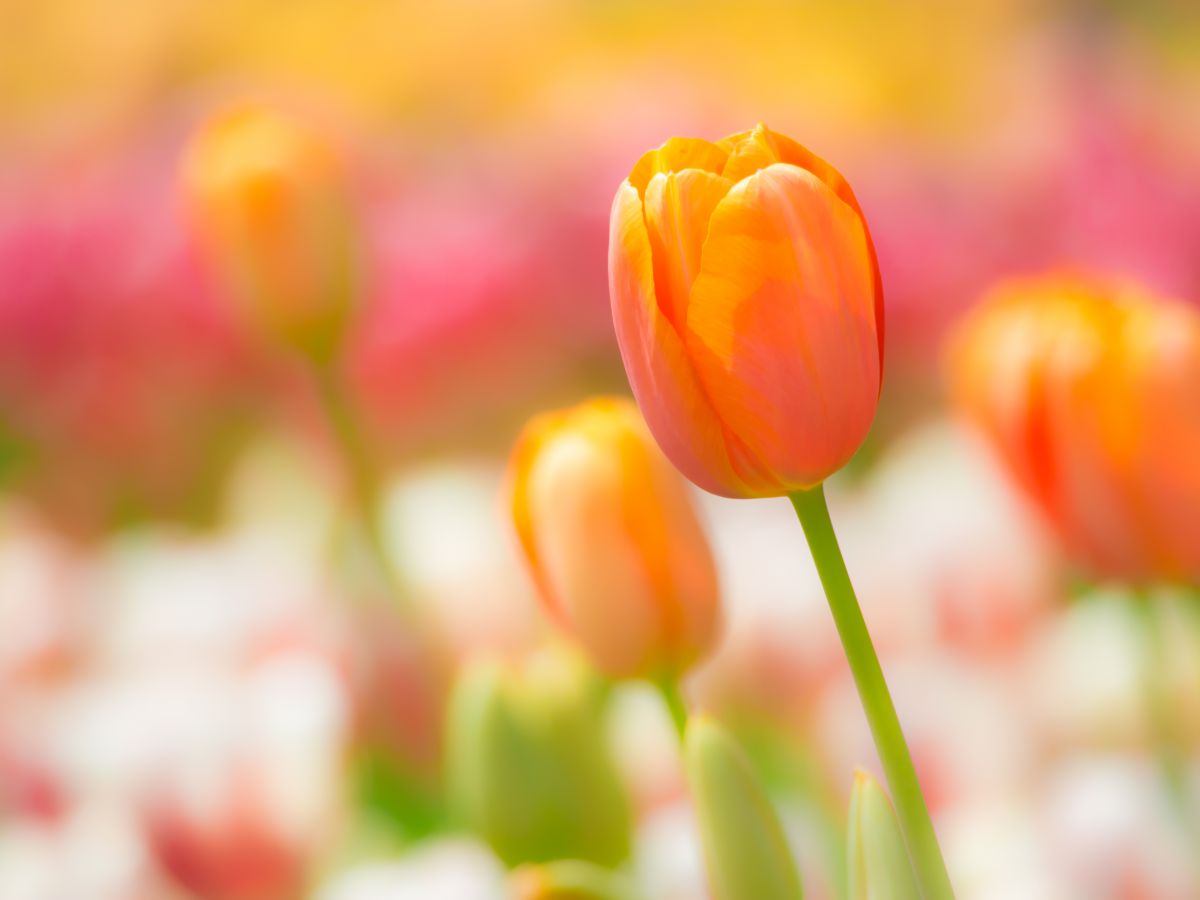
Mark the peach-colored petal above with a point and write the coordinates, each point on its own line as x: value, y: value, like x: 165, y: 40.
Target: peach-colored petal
x: 586, y: 556
x: 676, y: 155
x: 660, y: 373
x: 782, y: 325
x: 753, y: 150
x: 674, y: 551
x: 611, y: 533
x: 525, y: 453
x: 678, y: 206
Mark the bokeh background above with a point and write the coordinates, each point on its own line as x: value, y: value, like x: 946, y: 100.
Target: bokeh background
x: 194, y: 699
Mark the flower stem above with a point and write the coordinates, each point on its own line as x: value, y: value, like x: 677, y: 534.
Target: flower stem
x: 1164, y: 736
x: 915, y: 822
x: 361, y: 472
x: 668, y: 688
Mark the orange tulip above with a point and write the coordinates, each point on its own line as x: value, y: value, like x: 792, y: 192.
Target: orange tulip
x: 269, y: 199
x: 749, y: 310
x: 1091, y: 393
x: 617, y: 551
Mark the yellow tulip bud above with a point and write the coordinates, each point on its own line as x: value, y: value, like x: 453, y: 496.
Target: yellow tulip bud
x: 617, y: 551
x: 269, y: 199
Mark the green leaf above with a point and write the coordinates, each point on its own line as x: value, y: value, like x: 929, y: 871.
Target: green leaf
x: 878, y: 862
x: 745, y: 850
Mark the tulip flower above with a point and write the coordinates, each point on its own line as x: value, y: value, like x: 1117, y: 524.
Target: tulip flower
x: 749, y: 310
x: 616, y: 549
x: 528, y: 765
x: 270, y: 202
x: 745, y: 850
x: 748, y: 307
x: 878, y: 864
x: 1090, y: 391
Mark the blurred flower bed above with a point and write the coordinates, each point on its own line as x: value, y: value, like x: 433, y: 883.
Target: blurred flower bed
x: 204, y: 691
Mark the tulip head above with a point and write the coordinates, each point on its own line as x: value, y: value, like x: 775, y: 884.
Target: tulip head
x: 617, y: 551
x: 749, y: 310
x: 528, y: 763
x: 878, y: 866
x: 745, y: 851
x: 1090, y: 391
x: 270, y: 203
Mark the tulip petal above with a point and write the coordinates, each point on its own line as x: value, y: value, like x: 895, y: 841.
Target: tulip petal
x: 675, y: 556
x: 753, y: 150
x: 533, y: 439
x: 678, y: 206
x: 782, y: 325
x: 676, y: 155
x: 588, y: 557
x: 670, y: 395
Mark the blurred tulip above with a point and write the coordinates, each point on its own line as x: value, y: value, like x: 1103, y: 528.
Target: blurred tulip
x: 233, y: 857
x: 613, y: 539
x: 1090, y: 391
x: 749, y: 310
x: 270, y: 200
x: 745, y: 850
x: 528, y: 763
x: 124, y: 390
x: 878, y: 865
x: 569, y: 880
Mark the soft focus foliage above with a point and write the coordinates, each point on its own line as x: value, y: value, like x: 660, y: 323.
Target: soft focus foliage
x: 744, y: 848
x: 529, y: 767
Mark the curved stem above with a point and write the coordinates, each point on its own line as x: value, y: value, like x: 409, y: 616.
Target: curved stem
x: 873, y: 692
x: 361, y: 472
x: 668, y: 688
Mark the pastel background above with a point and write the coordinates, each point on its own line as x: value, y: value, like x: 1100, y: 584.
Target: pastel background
x: 186, y: 676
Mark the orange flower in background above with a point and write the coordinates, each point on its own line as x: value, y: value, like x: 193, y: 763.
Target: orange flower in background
x: 1091, y: 393
x: 270, y: 201
x: 618, y: 553
x: 749, y: 310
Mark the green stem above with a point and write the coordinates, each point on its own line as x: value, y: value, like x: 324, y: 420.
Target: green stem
x: 361, y: 471
x: 668, y: 687
x: 873, y: 692
x: 1164, y: 736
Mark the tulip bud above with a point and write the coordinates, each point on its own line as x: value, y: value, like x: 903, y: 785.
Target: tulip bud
x: 529, y: 767
x: 878, y: 863
x: 745, y: 849
x: 271, y: 206
x: 749, y: 310
x: 1091, y: 394
x: 569, y: 880
x: 617, y: 551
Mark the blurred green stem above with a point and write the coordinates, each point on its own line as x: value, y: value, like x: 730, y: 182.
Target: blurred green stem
x: 360, y: 469
x: 1164, y: 737
x: 668, y: 687
x: 917, y: 826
